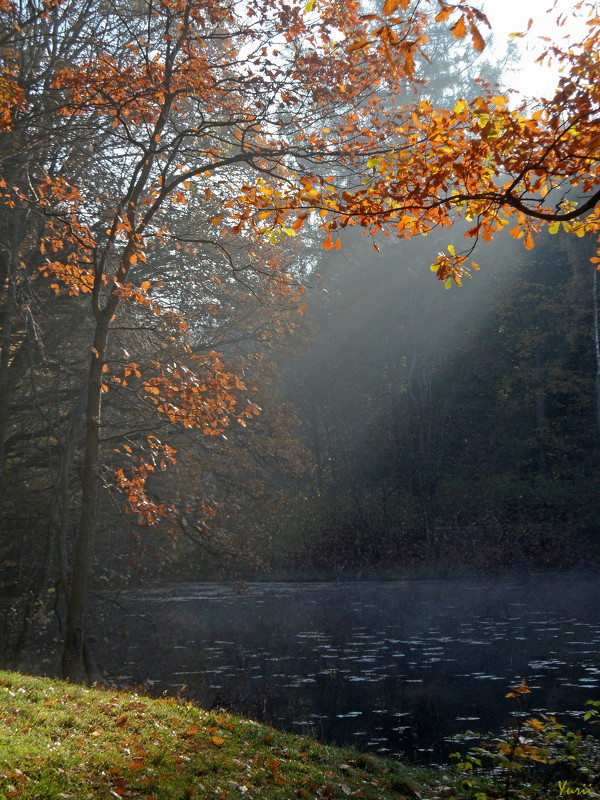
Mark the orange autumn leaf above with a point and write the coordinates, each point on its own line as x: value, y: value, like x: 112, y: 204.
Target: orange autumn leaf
x: 359, y: 45
x: 391, y: 6
x: 191, y: 731
x: 477, y: 38
x: 444, y: 14
x: 459, y: 29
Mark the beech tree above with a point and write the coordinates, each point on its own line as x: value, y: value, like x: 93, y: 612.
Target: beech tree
x: 265, y: 116
x: 533, y: 165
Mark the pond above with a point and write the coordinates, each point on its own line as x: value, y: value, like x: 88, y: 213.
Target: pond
x: 395, y: 668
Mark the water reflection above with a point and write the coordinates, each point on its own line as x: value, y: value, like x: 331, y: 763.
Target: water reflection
x: 388, y: 667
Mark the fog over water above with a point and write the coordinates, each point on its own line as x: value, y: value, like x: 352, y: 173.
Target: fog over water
x: 394, y: 668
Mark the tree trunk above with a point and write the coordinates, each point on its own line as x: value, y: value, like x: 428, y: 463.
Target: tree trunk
x: 541, y: 415
x: 74, y: 658
x: 61, y: 513
x: 596, y: 346
x: 5, y: 336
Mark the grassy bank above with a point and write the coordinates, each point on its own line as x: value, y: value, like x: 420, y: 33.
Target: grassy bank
x: 59, y: 740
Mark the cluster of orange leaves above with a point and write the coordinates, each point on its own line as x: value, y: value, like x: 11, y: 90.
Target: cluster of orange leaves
x: 399, y: 43
x: 133, y: 482
x: 486, y: 160
x: 203, y: 398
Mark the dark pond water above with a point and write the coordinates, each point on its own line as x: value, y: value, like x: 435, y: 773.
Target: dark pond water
x: 394, y: 668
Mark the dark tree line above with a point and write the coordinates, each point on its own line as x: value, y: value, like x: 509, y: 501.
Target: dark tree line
x: 451, y: 428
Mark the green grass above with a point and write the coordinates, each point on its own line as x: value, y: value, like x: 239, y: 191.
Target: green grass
x: 60, y: 740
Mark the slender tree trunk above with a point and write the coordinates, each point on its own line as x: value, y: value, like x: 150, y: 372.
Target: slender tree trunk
x: 74, y: 653
x: 314, y: 421
x: 5, y: 335
x: 541, y: 415
x: 62, y: 505
x: 596, y: 345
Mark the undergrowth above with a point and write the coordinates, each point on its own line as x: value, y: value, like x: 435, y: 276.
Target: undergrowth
x: 536, y: 757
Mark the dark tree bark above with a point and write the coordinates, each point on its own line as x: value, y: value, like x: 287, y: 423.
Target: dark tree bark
x: 74, y: 652
x: 596, y: 345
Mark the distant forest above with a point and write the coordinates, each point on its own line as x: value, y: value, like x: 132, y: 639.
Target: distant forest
x: 401, y: 427
x: 451, y: 429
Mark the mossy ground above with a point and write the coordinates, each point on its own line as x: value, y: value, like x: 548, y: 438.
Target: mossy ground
x: 60, y: 740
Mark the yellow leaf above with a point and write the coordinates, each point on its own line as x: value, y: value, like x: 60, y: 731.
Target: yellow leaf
x: 217, y: 740
x: 536, y: 724
x: 146, y: 285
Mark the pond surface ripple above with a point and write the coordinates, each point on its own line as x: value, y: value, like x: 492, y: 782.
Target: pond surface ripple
x: 398, y: 668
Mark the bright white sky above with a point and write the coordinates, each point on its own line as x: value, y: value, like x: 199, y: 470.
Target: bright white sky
x: 509, y: 16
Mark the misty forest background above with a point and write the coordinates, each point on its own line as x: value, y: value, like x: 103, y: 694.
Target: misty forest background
x: 402, y: 427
